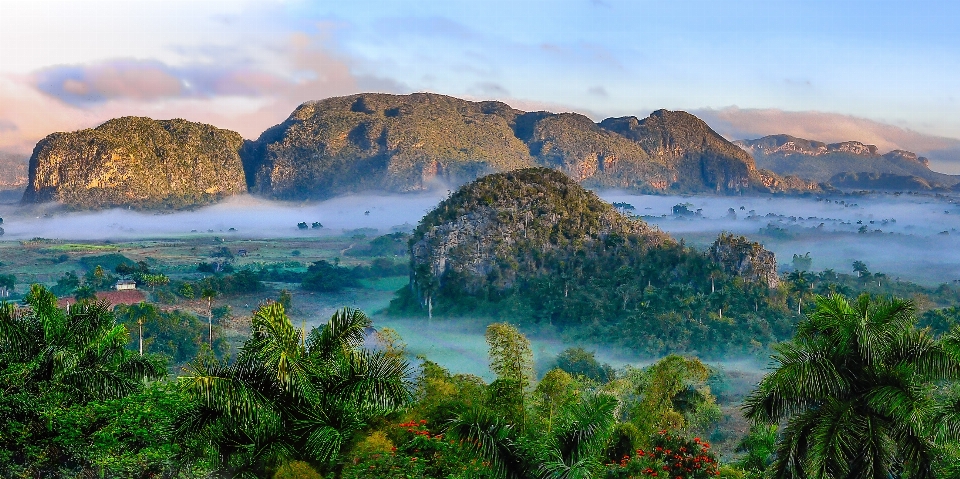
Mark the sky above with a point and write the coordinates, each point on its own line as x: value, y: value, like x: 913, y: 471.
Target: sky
x: 882, y: 72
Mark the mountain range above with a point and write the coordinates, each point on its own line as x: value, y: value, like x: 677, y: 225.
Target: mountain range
x: 393, y: 143
x: 849, y: 164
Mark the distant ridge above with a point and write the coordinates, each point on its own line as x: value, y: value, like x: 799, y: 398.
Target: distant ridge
x: 408, y: 142
x: 849, y: 164
x: 389, y: 143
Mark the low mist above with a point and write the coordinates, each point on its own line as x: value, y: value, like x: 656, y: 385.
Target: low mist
x: 911, y: 237
x: 250, y: 217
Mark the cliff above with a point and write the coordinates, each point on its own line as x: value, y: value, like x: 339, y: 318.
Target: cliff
x: 139, y: 163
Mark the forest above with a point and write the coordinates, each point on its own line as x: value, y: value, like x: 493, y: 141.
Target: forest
x: 859, y: 390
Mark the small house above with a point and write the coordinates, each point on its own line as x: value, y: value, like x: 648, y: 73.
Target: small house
x: 241, y: 252
x: 125, y: 284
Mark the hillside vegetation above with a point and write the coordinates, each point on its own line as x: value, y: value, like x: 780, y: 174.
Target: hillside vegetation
x: 534, y: 245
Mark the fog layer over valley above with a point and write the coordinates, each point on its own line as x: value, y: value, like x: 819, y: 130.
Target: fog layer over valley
x: 250, y: 217
x: 912, y: 237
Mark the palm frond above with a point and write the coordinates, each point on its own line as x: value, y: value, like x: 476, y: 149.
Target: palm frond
x: 803, y: 377
x: 585, y: 427
x: 490, y: 437
x: 346, y: 330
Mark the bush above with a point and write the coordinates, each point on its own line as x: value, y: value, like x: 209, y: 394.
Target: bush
x: 325, y: 277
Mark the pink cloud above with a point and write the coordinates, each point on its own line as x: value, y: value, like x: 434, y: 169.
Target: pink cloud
x: 244, y: 98
x: 736, y: 123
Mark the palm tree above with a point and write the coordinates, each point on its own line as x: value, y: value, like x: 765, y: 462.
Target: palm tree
x: 800, y: 284
x: 290, y: 396
x: 52, y: 360
x: 573, y: 449
x: 208, y: 294
x: 81, y: 353
x: 855, y: 386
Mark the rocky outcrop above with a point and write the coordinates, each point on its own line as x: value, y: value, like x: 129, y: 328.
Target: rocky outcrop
x: 137, y: 162
x: 739, y: 256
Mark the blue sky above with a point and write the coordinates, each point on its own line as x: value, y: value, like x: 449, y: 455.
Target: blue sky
x: 883, y: 72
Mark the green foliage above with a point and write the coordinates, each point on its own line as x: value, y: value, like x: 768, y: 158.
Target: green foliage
x: 66, y: 284
x: 290, y: 396
x: 176, y: 334
x: 855, y: 387
x: 53, y: 360
x: 390, y: 245
x: 802, y: 262
x: 326, y: 277
x: 759, y: 450
x: 244, y: 281
x: 420, y: 452
x: 672, y: 394
x: 669, y: 455
x: 7, y: 282
x: 108, y: 262
x: 580, y: 362
x: 534, y: 245
x: 99, y: 279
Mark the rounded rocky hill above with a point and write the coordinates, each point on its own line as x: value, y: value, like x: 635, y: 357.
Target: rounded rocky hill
x: 384, y: 142
x: 534, y: 246
x: 137, y: 162
x: 503, y: 225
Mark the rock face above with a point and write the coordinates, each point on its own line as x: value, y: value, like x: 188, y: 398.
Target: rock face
x: 139, y: 163
x: 741, y: 257
x: 850, y: 164
x: 408, y: 142
x: 494, y: 229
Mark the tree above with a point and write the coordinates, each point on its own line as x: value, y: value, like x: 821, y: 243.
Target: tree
x: 855, y: 387
x: 85, y: 292
x: 7, y: 282
x: 290, y: 396
x: 208, y: 294
x: 861, y: 269
x: 801, y: 285
x: 52, y: 359
x: 66, y: 284
x: 510, y: 358
x: 580, y: 362
x: 758, y: 448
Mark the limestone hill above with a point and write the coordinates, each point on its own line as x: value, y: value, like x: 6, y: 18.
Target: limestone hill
x: 137, y: 162
x: 407, y: 142
x: 533, y: 245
